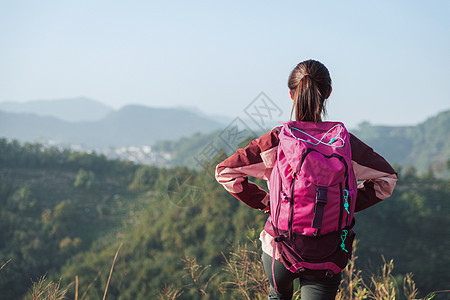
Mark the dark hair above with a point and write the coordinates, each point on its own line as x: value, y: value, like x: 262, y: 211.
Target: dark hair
x: 310, y: 85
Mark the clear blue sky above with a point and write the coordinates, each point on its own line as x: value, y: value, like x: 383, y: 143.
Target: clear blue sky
x: 389, y: 60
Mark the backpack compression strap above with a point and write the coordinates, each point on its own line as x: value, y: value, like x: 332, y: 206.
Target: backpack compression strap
x: 321, y: 201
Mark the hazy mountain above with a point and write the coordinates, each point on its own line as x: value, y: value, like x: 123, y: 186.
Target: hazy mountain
x: 222, y: 119
x: 29, y: 127
x: 426, y: 144
x: 71, y: 109
x: 132, y: 125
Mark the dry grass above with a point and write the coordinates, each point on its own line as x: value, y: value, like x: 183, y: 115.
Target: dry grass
x: 245, y: 268
x: 47, y: 290
x: 196, y: 272
x: 382, y: 286
x: 50, y: 290
x: 170, y: 293
x: 352, y: 285
x: 246, y: 272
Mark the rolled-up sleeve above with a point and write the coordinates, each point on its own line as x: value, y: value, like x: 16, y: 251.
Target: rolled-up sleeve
x: 255, y: 160
x: 377, y: 176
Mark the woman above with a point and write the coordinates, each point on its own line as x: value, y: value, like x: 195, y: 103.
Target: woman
x: 309, y: 86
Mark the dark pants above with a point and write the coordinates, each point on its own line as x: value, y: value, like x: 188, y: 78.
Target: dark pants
x: 312, y: 287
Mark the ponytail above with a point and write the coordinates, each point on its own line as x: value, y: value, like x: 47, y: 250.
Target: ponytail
x: 310, y: 85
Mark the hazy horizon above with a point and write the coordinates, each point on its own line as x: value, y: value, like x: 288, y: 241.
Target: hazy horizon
x: 388, y: 61
x: 225, y: 119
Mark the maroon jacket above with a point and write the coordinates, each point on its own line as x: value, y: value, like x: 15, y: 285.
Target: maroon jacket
x: 376, y: 175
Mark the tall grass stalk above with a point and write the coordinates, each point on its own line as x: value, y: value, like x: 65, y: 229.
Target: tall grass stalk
x: 110, y: 272
x: 90, y: 285
x: 1, y: 268
x: 76, y: 287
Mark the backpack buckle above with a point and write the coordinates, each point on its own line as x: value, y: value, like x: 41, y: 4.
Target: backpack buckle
x: 321, y: 195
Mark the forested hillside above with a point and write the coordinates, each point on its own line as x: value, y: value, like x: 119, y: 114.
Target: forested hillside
x: 54, y: 204
x: 65, y: 214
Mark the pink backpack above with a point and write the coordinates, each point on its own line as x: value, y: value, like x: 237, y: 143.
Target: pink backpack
x: 312, y: 197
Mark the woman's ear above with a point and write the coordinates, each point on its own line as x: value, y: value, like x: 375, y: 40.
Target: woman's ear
x: 290, y: 93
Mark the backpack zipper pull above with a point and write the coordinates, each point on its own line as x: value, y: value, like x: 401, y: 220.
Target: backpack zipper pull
x: 343, y: 237
x: 346, y: 205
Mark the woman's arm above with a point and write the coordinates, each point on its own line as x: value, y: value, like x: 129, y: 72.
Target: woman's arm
x: 377, y: 176
x: 257, y: 160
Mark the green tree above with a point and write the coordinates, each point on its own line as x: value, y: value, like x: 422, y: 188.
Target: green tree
x: 144, y: 178
x: 84, y: 179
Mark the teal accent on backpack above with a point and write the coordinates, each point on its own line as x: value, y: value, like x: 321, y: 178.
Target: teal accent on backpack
x: 346, y: 205
x: 343, y: 237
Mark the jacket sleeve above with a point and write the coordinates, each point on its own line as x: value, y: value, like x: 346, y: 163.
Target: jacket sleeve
x: 257, y: 160
x: 377, y: 176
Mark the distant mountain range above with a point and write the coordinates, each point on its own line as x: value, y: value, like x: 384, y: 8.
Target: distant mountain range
x: 71, y: 109
x: 131, y: 125
x: 424, y: 145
